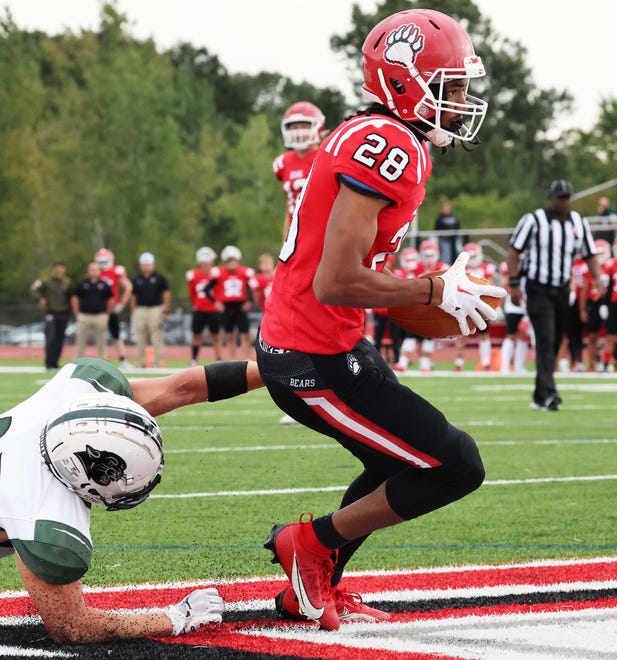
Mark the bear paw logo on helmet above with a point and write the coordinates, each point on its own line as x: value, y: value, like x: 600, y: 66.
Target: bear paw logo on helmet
x: 404, y: 45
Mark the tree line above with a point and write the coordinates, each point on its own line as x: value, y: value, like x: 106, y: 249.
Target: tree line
x: 107, y: 141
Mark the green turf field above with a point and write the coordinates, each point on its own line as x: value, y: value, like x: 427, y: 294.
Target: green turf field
x: 229, y: 455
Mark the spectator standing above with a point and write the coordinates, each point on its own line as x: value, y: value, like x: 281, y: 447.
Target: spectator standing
x: 207, y: 309
x: 608, y: 211
x: 150, y: 304
x: 54, y: 300
x: 302, y: 128
x: 449, y: 244
x: 551, y: 238
x: 92, y: 302
x: 233, y: 291
x: 121, y: 286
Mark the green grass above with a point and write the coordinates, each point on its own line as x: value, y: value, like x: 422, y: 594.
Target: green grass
x: 222, y: 536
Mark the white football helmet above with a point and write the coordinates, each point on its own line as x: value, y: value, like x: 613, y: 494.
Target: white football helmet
x: 429, y: 252
x: 230, y: 252
x: 297, y: 137
x: 205, y: 255
x: 476, y: 255
x: 105, y: 448
x: 104, y: 258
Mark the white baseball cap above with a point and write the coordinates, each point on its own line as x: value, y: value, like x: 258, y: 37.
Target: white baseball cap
x: 146, y: 258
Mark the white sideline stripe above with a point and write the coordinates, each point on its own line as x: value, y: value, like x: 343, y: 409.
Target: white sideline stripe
x: 212, y: 450
x: 19, y: 652
x: 431, y: 570
x: 330, y: 489
x: 335, y: 445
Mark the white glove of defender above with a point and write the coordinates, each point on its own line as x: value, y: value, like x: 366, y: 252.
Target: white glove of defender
x: 199, y: 608
x: 461, y: 296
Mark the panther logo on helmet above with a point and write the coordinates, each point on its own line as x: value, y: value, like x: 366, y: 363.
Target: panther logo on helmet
x: 101, y: 466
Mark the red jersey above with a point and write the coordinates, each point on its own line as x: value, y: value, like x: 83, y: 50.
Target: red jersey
x: 612, y: 274
x: 375, y: 151
x: 232, y: 285
x: 199, y: 284
x: 579, y: 268
x: 416, y: 271
x: 433, y: 268
x: 605, y: 276
x: 261, y: 285
x: 292, y: 171
x: 484, y: 269
x: 113, y: 276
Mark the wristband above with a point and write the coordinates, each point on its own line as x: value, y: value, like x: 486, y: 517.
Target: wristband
x: 514, y: 282
x: 226, y: 379
x: 430, y: 292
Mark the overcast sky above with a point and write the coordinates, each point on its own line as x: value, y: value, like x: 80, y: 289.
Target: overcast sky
x: 572, y: 44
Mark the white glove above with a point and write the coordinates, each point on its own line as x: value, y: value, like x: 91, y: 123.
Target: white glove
x: 199, y: 608
x: 461, y: 296
x: 118, y: 307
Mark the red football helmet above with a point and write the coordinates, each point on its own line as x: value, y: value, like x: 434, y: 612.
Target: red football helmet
x: 300, y: 138
x: 475, y: 254
x: 603, y: 250
x: 408, y: 58
x: 408, y: 256
x: 429, y: 251
x: 104, y: 258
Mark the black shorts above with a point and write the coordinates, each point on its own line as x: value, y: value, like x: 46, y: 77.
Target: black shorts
x: 356, y: 399
x: 114, y: 325
x: 200, y: 320
x: 611, y: 322
x: 512, y: 321
x: 594, y: 322
x: 235, y: 317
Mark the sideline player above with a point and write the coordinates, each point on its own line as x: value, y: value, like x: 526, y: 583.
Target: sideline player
x: 302, y: 128
x: 207, y: 309
x: 363, y: 192
x: 478, y: 268
x: 411, y: 267
x: 88, y: 437
x: 232, y: 289
x: 515, y: 345
x: 122, y: 287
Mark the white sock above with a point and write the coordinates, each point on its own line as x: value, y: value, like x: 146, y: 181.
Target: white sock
x: 507, y: 350
x: 425, y: 363
x: 484, y: 346
x: 520, y: 353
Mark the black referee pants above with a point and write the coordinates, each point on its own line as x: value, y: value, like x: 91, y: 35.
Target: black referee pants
x: 547, y: 307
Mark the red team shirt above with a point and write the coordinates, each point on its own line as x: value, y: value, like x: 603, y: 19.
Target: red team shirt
x: 381, y: 153
x: 485, y: 270
x: 198, y: 282
x: 612, y: 274
x: 292, y: 171
x: 261, y: 286
x: 606, y: 274
x: 113, y: 276
x: 232, y: 286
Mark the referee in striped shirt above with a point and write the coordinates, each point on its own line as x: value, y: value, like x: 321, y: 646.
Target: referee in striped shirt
x: 550, y: 239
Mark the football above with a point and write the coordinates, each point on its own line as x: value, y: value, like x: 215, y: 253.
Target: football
x: 430, y: 321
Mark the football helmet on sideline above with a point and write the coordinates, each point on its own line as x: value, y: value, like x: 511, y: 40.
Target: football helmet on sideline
x: 476, y: 254
x: 104, y: 258
x: 408, y: 58
x: 302, y: 137
x: 205, y: 255
x: 105, y: 448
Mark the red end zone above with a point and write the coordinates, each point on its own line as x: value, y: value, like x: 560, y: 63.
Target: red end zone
x: 479, y: 612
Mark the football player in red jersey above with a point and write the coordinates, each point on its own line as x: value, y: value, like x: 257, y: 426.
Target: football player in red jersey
x: 593, y: 304
x: 207, y: 309
x: 362, y: 195
x: 478, y: 268
x: 232, y: 289
x: 302, y: 127
x: 610, y: 344
x: 431, y: 260
x: 122, y: 287
x: 411, y: 267
x: 261, y: 283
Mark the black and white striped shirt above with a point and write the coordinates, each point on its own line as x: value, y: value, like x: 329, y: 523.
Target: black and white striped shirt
x: 551, y: 245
